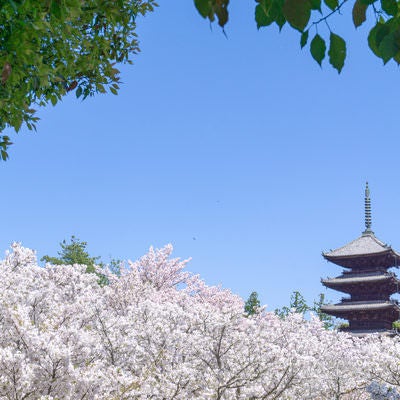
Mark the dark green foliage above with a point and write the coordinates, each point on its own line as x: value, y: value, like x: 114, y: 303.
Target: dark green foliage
x: 297, y: 13
x: 318, y: 48
x: 115, y: 266
x: 328, y: 320
x: 384, y: 40
x: 303, y: 15
x: 337, y: 51
x: 262, y: 16
x: 359, y: 13
x: 332, y: 4
x: 50, y: 47
x: 4, y: 143
x: 212, y: 9
x: 252, y: 304
x: 390, y: 7
x: 316, y: 5
x: 299, y: 305
x: 75, y: 253
x: 304, y: 39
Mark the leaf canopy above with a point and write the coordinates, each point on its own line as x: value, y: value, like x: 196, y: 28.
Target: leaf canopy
x: 51, y: 47
x: 304, y: 15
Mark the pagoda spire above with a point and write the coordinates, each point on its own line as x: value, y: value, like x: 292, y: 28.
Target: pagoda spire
x: 368, y: 230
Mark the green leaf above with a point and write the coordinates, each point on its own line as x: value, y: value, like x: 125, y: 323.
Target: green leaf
x: 262, y: 16
x: 297, y: 13
x: 368, y: 2
x: 221, y: 11
x: 316, y: 5
x: 304, y: 38
x: 280, y: 21
x: 397, y: 58
x: 359, y: 13
x: 18, y: 124
x: 375, y: 37
x: 388, y: 47
x: 78, y: 92
x: 332, y: 4
x: 276, y: 12
x: 113, y: 90
x: 53, y: 99
x: 318, y: 48
x: 389, y: 6
x: 56, y: 9
x: 337, y: 51
x: 100, y: 88
x: 203, y: 7
x: 13, y: 5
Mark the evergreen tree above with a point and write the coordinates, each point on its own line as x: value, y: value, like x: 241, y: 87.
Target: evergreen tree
x: 328, y: 320
x: 297, y: 304
x: 252, y: 304
x: 75, y: 252
x: 115, y: 266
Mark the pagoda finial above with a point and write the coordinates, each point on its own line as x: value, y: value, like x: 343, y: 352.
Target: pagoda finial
x: 368, y: 230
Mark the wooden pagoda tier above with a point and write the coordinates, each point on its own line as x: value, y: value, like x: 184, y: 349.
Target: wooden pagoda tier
x: 366, y: 252
x: 366, y: 316
x: 380, y: 284
x: 367, y: 280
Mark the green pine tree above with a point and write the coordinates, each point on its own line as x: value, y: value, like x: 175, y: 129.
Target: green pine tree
x: 297, y: 304
x: 75, y: 252
x: 252, y: 304
x: 328, y: 320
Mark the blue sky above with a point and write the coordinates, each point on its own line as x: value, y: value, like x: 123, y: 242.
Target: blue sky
x: 240, y: 151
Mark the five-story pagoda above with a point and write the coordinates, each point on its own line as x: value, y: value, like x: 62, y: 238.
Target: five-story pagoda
x: 366, y: 280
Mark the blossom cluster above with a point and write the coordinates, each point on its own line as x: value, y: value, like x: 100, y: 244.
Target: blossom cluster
x: 159, y: 332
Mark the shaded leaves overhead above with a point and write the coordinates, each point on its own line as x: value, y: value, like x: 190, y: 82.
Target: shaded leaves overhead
x: 49, y: 48
x: 317, y: 17
x: 359, y: 13
x: 268, y: 12
x: 213, y: 9
x: 297, y: 13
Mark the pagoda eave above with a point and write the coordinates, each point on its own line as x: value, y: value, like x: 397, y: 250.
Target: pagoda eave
x: 386, y: 283
x: 350, y: 307
x: 384, y: 259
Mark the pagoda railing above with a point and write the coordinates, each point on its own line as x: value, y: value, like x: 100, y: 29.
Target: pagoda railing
x: 349, y: 300
x: 376, y: 273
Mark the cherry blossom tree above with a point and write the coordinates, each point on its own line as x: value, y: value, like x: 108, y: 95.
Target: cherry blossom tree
x: 159, y: 332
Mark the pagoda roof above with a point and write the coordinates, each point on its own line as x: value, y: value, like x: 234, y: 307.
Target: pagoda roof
x: 348, y: 280
x: 350, y: 306
x: 365, y: 251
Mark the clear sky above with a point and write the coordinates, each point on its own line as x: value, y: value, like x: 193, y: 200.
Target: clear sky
x: 240, y: 151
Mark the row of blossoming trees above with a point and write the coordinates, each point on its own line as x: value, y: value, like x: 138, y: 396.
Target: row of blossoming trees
x: 158, y: 332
